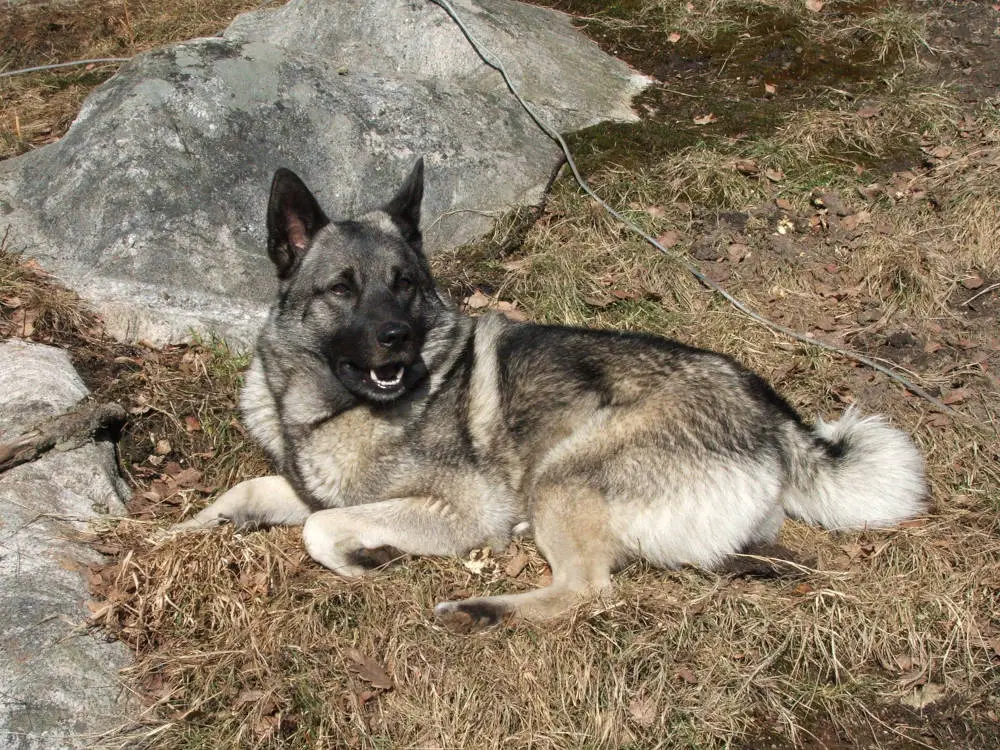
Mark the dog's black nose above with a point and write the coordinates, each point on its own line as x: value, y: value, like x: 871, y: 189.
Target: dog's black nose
x: 393, y: 335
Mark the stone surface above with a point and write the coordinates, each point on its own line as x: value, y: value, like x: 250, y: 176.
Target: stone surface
x: 152, y: 205
x: 59, y: 685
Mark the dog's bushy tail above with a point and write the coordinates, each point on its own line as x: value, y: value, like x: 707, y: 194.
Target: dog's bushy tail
x: 853, y: 473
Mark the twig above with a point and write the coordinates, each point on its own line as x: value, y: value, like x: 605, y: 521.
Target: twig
x: 988, y: 289
x: 497, y: 65
x: 71, y: 429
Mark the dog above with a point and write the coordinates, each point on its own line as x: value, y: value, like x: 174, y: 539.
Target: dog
x: 400, y: 426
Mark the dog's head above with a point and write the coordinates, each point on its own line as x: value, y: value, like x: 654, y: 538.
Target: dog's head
x: 356, y: 294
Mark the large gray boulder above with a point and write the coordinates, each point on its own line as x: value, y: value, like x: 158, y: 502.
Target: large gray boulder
x: 152, y: 205
x: 59, y: 685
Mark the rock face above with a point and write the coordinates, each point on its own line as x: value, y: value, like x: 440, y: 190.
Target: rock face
x: 59, y: 684
x: 152, y: 205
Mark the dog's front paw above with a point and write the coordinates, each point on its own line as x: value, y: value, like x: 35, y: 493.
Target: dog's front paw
x: 470, y: 615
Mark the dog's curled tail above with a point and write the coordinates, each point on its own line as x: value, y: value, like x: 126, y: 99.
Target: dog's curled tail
x: 853, y: 473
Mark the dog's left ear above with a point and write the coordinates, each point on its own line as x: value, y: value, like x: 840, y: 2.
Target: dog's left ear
x: 404, y: 208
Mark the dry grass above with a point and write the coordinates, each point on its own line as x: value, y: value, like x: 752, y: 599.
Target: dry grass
x: 38, y: 108
x: 242, y: 641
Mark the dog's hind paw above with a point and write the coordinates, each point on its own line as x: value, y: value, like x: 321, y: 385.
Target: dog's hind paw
x: 370, y: 558
x: 470, y: 615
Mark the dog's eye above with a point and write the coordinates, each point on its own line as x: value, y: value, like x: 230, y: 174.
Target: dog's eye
x: 404, y: 285
x: 340, y: 290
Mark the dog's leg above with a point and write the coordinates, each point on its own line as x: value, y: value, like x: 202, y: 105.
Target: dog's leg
x: 354, y: 539
x: 571, y: 530
x: 264, y: 501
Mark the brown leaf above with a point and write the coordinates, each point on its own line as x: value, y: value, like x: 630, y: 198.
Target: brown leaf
x: 598, y: 302
x: 477, y: 300
x: 516, y: 565
x: 705, y: 119
x: 737, y: 251
x: 192, y: 423
x: 368, y: 669
x: 869, y: 111
x: 972, y: 282
x: 748, y: 167
x: 774, y: 175
x: 249, y: 696
x: 685, y: 673
x: 669, y: 238
x: 815, y: 5
x: 770, y: 89
x: 941, y: 152
x: 955, y: 396
x: 162, y: 447
x: 673, y: 37
x: 803, y: 588
x: 783, y: 203
x: 188, y: 477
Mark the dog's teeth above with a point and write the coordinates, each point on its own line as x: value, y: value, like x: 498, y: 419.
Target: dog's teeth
x: 392, y: 382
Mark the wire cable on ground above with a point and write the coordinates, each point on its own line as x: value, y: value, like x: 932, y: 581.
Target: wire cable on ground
x: 74, y: 63
x: 491, y: 60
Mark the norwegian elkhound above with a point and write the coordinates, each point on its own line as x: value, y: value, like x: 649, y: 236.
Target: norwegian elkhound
x: 401, y: 426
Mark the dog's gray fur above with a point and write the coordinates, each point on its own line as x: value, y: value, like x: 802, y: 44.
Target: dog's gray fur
x: 399, y: 425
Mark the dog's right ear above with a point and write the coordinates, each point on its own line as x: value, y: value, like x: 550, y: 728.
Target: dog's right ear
x: 293, y: 218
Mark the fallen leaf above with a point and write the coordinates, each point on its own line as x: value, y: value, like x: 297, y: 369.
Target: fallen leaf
x: 476, y: 567
x: 815, y: 5
x: 737, y: 251
x: 673, y: 37
x: 972, y: 282
x: 249, y: 696
x: 783, y: 203
x: 770, y: 89
x: 598, y: 302
x: 669, y: 238
x: 368, y: 669
x: 192, y: 423
x: 642, y: 708
x: 748, y: 167
x: 956, y: 396
x: 774, y: 175
x: 162, y: 447
x: 656, y: 212
x: 685, y: 673
x: 705, y: 119
x: 188, y: 477
x: 803, y: 588
x: 924, y: 695
x: 516, y: 565
x: 869, y: 111
x: 476, y: 301
x: 512, y: 311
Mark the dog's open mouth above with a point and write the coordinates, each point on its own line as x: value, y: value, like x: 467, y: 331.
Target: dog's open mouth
x: 387, y: 377
x: 382, y: 383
